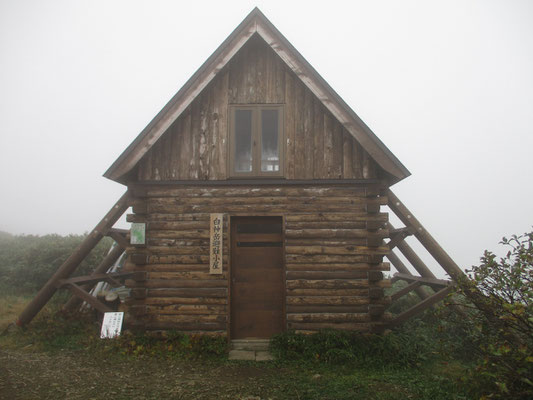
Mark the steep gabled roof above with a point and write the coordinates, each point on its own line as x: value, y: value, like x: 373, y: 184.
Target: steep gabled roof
x: 256, y: 23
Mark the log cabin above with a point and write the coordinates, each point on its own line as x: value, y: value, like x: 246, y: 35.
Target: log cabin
x: 257, y: 199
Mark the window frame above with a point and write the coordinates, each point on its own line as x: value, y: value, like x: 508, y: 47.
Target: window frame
x: 256, y: 138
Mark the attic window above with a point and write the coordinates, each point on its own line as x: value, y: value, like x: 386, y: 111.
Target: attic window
x: 256, y: 140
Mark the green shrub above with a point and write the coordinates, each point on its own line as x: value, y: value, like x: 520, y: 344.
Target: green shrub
x: 341, y: 347
x: 503, y: 339
x: 169, y: 344
x: 53, y: 330
x: 28, y: 261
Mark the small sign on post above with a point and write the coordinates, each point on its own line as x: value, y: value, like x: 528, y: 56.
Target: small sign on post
x: 216, y: 244
x: 111, y: 325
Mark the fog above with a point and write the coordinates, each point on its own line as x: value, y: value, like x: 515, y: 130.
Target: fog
x: 446, y: 85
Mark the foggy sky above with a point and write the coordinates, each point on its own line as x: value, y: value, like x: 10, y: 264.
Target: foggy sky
x: 446, y: 85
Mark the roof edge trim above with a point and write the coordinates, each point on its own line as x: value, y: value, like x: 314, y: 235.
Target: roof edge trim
x: 256, y: 22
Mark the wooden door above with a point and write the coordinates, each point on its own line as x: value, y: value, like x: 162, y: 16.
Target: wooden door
x: 257, y: 283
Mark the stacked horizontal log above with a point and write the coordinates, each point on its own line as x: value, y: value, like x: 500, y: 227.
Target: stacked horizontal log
x: 332, y: 247
x: 328, y: 263
x: 176, y: 291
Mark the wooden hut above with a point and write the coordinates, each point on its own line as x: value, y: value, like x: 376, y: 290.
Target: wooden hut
x: 259, y: 191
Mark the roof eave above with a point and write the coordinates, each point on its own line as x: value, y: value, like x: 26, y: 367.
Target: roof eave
x: 256, y: 21
x: 123, y: 164
x: 329, y: 97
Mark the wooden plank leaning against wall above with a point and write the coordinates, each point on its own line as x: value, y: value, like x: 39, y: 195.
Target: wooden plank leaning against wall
x: 333, y: 255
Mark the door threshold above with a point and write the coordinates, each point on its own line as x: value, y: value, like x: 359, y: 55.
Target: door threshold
x: 250, y: 349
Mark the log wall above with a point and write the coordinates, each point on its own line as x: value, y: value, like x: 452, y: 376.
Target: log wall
x: 333, y: 255
x: 317, y: 146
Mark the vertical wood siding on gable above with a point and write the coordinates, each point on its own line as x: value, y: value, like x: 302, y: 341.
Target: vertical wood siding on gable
x: 317, y: 145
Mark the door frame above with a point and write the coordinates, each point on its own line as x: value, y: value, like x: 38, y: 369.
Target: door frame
x: 231, y: 218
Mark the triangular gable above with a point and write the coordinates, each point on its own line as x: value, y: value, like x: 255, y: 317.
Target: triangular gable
x: 256, y: 23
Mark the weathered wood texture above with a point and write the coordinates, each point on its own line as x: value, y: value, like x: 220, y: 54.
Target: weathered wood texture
x: 317, y: 146
x: 332, y: 259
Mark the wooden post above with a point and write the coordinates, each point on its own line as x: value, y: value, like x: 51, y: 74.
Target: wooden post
x: 118, y: 237
x: 70, y: 265
x: 413, y: 258
x: 93, y: 301
x: 400, y: 266
x: 405, y: 290
x: 102, y: 268
x: 397, y: 238
x: 418, y: 308
x: 424, y: 237
x: 445, y: 261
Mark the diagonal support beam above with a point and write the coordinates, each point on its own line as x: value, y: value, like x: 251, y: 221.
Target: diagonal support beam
x: 397, y: 263
x: 398, y: 236
x: 119, y: 237
x: 70, y: 265
x: 102, y: 268
x: 400, y: 267
x: 436, y: 251
x: 425, y: 281
x: 424, y: 237
x: 405, y: 290
x: 413, y: 258
x: 94, y: 278
x: 93, y: 301
x: 418, y: 308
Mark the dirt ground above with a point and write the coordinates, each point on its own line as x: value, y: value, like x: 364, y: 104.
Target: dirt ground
x: 29, y: 375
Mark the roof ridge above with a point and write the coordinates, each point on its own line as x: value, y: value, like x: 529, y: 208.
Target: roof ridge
x: 256, y: 23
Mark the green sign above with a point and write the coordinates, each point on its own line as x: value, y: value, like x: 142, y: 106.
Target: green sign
x: 137, y: 233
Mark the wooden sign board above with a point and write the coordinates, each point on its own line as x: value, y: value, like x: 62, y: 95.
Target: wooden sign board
x: 216, y: 244
x: 137, y: 233
x: 111, y: 325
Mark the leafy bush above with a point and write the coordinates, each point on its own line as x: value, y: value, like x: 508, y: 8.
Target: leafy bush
x: 28, y: 261
x: 169, y: 344
x: 341, y: 347
x: 504, y: 336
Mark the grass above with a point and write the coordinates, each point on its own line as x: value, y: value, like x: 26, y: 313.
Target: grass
x: 60, y: 358
x: 10, y: 308
x: 349, y: 382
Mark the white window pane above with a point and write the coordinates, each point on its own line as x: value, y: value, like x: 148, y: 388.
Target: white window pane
x: 269, y: 141
x: 243, y: 140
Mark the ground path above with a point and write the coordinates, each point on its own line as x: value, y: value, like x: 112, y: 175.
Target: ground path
x: 74, y: 375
